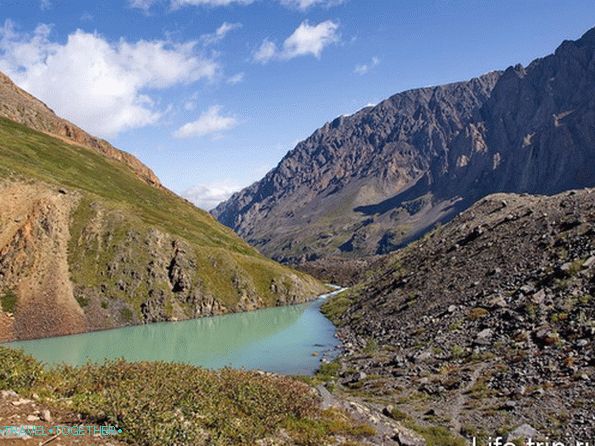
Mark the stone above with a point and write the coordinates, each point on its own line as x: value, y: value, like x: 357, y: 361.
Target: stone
x: 538, y: 297
x: 46, y: 415
x: 388, y: 410
x: 359, y: 376
x: 8, y: 394
x: 484, y: 337
x: 589, y: 262
x: 407, y: 439
x: 31, y: 418
x: 523, y: 432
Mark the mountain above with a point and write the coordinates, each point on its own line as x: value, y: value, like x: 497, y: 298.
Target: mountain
x: 371, y: 182
x: 18, y: 105
x: 485, y: 323
x: 90, y: 240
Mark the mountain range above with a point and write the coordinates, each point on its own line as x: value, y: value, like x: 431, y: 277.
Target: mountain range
x: 371, y: 182
x: 90, y: 239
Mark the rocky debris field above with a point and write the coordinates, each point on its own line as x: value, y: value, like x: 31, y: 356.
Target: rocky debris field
x: 485, y: 325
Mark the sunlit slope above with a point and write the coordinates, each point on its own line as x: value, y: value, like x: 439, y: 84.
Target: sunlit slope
x: 85, y: 238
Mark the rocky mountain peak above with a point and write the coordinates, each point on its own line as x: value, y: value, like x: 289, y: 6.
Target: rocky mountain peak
x: 371, y: 182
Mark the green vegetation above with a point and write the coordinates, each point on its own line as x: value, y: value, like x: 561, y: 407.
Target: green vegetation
x: 116, y: 213
x: 8, y: 301
x: 337, y: 305
x: 126, y: 314
x: 434, y: 435
x: 36, y: 155
x: 160, y: 403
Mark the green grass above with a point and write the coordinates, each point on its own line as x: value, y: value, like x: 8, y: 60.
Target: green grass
x: 160, y: 403
x: 434, y: 435
x: 337, y: 305
x: 127, y: 211
x: 8, y: 301
x: 36, y: 155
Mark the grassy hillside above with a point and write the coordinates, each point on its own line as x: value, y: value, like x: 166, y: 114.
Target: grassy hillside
x: 135, y: 253
x: 159, y: 403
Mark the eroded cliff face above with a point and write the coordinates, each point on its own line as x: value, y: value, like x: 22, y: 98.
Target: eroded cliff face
x: 70, y: 264
x: 371, y: 182
x: 19, y: 106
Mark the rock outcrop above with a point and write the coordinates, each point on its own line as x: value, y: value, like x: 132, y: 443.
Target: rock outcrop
x: 371, y: 182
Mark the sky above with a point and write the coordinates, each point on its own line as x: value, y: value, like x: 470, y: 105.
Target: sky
x: 211, y: 94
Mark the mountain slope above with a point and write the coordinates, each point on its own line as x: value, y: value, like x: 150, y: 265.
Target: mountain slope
x: 18, y: 105
x: 86, y: 244
x: 487, y: 321
x: 370, y: 182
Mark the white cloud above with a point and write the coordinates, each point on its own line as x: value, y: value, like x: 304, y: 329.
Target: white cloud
x: 265, y: 52
x: 306, y: 4
x: 305, y: 40
x: 210, y: 122
x: 301, y: 5
x: 175, y: 4
x: 44, y: 5
x: 208, y: 196
x: 220, y: 33
x: 235, y: 79
x: 143, y: 5
x: 102, y: 86
x: 365, y: 68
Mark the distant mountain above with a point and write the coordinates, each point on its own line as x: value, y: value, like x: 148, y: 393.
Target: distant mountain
x: 371, y: 182
x: 90, y: 240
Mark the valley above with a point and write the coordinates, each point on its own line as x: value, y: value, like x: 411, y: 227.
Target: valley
x: 457, y: 222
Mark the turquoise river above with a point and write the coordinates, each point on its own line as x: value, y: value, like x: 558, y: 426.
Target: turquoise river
x: 289, y: 340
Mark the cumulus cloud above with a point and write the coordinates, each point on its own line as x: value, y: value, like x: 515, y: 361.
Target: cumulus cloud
x: 306, y: 4
x: 209, y: 122
x: 365, y: 68
x: 208, y: 196
x: 305, y: 40
x: 102, y: 86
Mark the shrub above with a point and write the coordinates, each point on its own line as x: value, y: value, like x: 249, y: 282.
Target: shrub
x: 18, y: 371
x: 8, y: 300
x: 478, y: 313
x: 164, y: 403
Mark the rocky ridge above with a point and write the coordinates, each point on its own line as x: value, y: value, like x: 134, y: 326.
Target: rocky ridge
x: 485, y: 324
x: 371, y: 182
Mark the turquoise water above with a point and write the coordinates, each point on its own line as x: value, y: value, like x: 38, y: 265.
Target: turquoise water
x: 280, y: 339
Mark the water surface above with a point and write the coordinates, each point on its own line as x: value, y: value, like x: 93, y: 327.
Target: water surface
x: 289, y: 340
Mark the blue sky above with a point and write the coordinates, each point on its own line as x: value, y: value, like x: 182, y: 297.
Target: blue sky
x: 212, y: 93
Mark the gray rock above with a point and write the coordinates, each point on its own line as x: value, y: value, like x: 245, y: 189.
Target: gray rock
x: 484, y: 337
x: 523, y: 432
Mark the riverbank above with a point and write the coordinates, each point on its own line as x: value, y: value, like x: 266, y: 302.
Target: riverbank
x: 290, y: 340
x: 159, y: 403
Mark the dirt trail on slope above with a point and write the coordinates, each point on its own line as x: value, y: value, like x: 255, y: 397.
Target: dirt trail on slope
x: 34, y: 234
